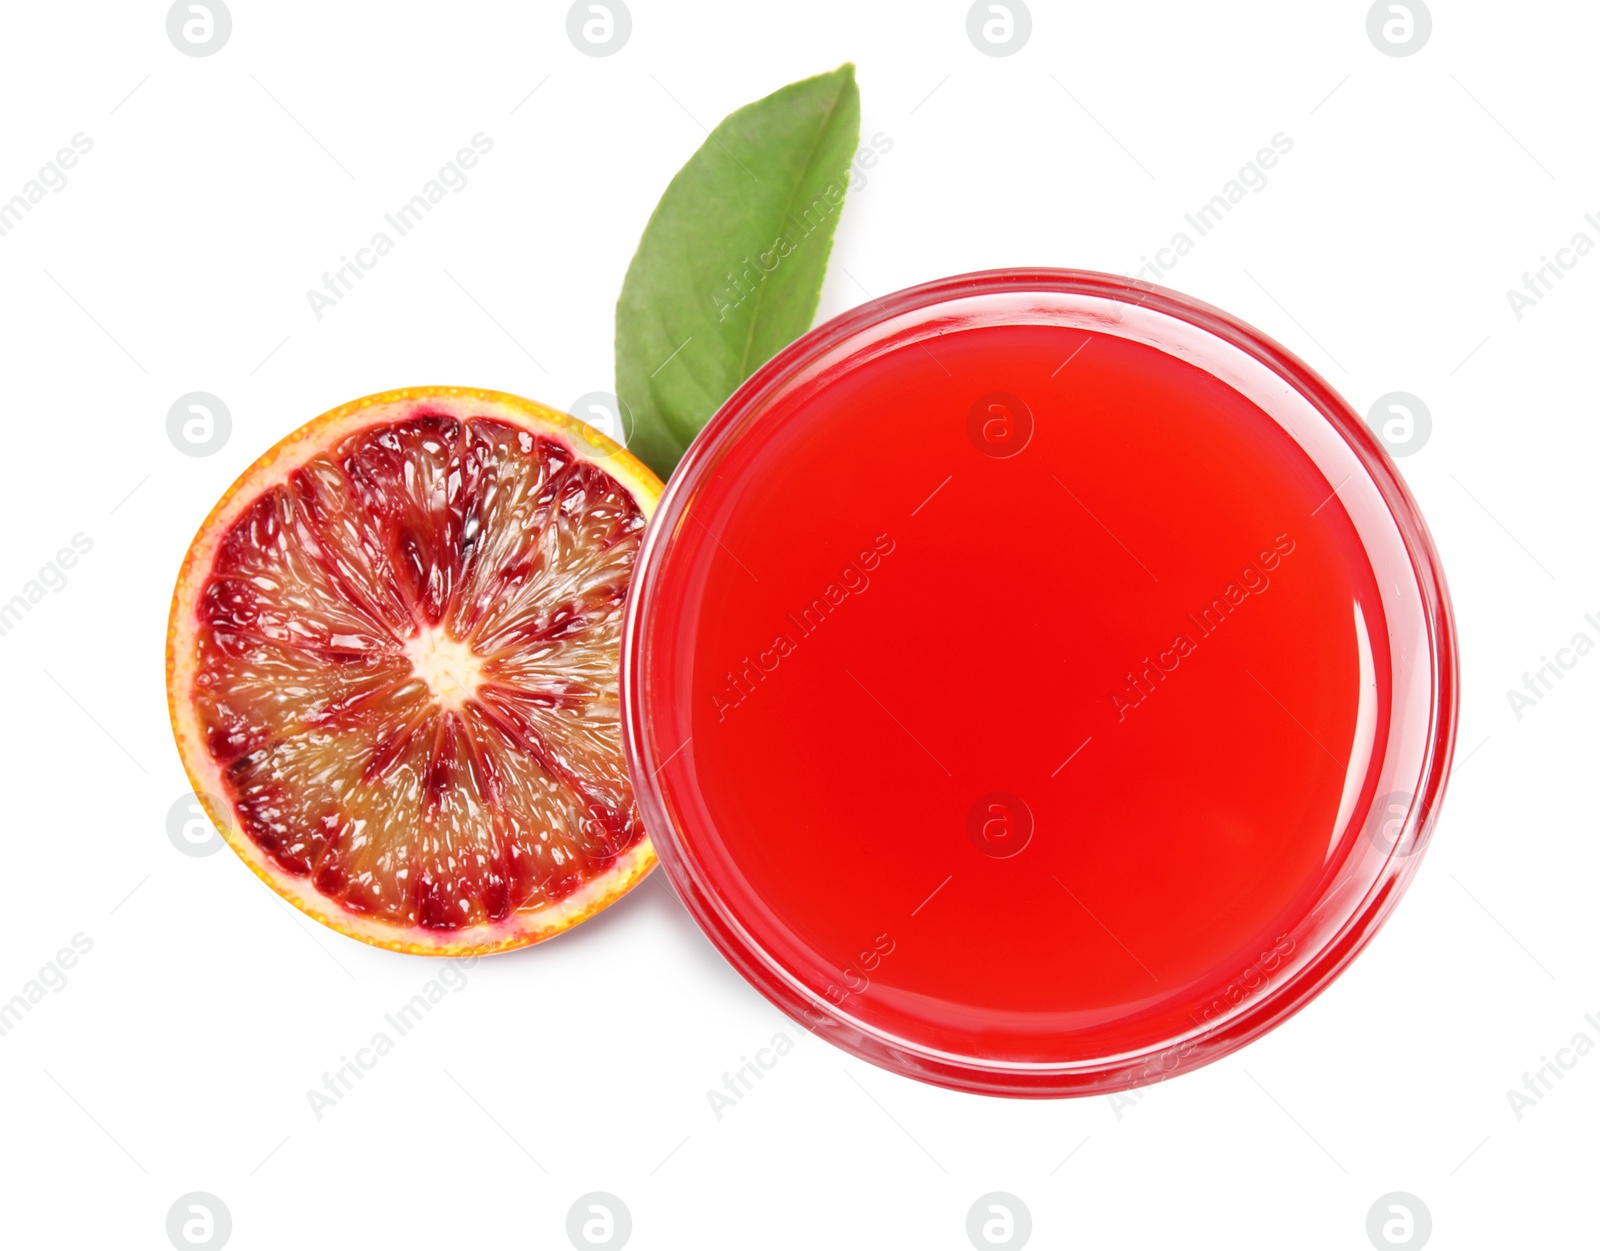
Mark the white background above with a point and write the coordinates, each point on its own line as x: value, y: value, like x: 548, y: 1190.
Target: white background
x: 178, y: 1055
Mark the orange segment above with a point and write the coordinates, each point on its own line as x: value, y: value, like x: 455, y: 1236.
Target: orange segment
x: 393, y: 669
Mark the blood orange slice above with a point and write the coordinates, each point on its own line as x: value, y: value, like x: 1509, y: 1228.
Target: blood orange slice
x: 392, y: 669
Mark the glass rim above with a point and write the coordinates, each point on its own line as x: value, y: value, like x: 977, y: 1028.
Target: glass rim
x: 1215, y: 1038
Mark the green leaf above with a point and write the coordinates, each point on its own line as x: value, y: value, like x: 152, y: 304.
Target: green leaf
x: 730, y: 266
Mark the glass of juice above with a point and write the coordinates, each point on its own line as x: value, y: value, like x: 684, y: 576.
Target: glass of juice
x: 1038, y: 682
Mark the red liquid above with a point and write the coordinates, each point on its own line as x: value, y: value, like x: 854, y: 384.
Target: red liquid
x: 1040, y: 756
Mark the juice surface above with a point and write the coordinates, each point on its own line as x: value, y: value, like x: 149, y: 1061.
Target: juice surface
x: 1034, y: 675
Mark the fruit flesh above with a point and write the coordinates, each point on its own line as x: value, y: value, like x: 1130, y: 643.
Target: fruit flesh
x: 405, y: 671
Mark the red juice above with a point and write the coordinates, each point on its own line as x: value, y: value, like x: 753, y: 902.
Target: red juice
x: 1025, y: 695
